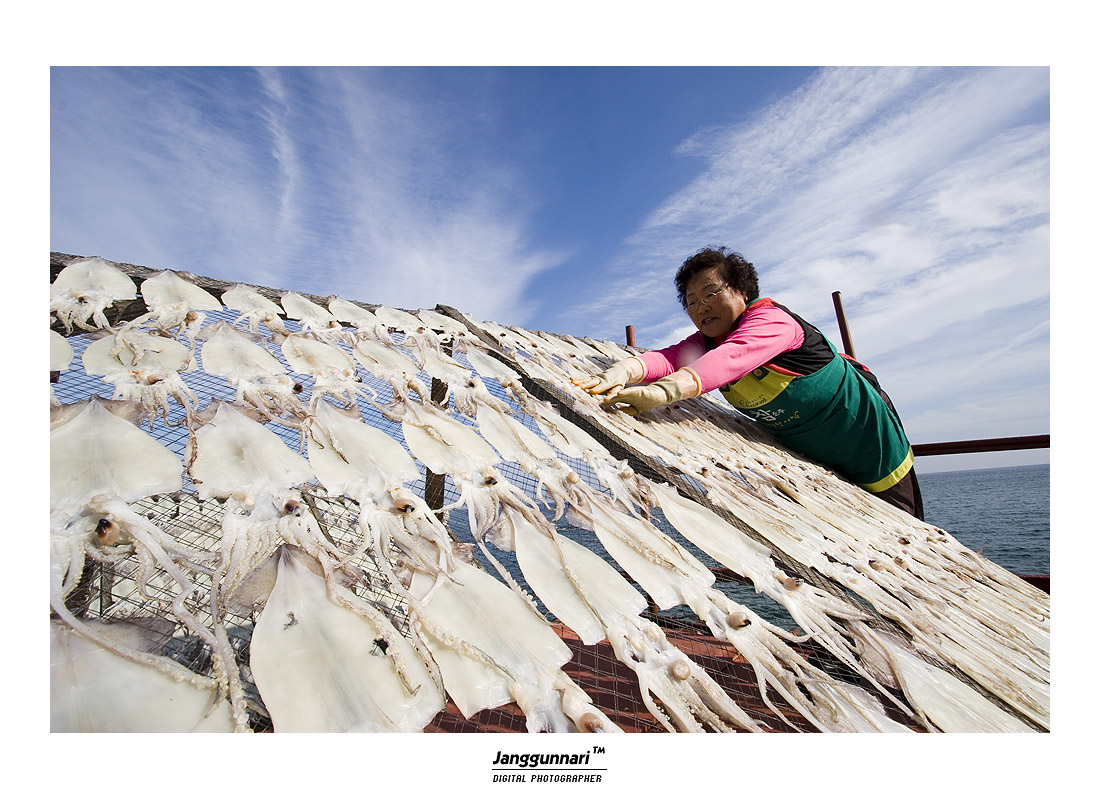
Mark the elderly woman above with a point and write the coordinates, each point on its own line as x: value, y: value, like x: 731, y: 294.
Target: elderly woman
x: 776, y: 368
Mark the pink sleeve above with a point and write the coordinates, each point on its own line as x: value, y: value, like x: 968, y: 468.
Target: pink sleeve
x: 663, y: 362
x: 761, y: 334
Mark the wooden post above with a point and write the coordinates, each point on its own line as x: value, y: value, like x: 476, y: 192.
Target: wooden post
x: 842, y: 321
x: 630, y: 336
x: 435, y: 485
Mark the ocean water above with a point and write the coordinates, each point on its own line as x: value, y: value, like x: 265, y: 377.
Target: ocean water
x: 1004, y: 513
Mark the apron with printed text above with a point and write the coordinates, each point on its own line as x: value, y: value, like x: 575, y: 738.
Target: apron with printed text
x: 825, y: 406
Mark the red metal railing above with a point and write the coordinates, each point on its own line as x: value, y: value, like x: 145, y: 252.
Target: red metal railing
x: 983, y: 445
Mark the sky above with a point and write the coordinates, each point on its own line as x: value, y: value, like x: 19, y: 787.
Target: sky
x: 564, y: 198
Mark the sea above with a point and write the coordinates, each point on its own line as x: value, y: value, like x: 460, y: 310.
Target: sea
x: 1003, y: 513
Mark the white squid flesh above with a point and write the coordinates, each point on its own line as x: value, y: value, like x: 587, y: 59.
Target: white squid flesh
x: 322, y: 668
x: 84, y: 289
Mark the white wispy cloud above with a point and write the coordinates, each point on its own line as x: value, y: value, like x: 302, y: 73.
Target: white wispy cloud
x: 865, y: 175
x: 324, y: 181
x: 286, y: 181
x: 429, y: 221
x: 156, y: 172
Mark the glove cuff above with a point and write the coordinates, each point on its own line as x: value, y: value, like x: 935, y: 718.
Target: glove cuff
x: 687, y: 383
x: 670, y: 387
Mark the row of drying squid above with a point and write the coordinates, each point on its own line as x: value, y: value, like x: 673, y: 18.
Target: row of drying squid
x: 327, y: 656
x: 951, y: 606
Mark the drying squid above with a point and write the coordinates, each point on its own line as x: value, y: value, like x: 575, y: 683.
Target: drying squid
x: 379, y: 629
x: 907, y: 585
x: 613, y: 351
x: 510, y: 340
x: 671, y: 576
x: 593, y: 599
x: 358, y: 317
x: 401, y: 534
x: 506, y: 667
x: 332, y: 369
x: 586, y: 351
x: 988, y: 625
x: 570, y: 439
x: 615, y: 474
x: 234, y: 458
x: 516, y: 654
x: 312, y: 317
x: 253, y: 470
x: 259, y: 377
x: 463, y: 388
x: 322, y: 667
x: 239, y: 460
x: 99, y: 463
x: 449, y: 447
x: 497, y: 511
x: 517, y: 443
x: 397, y: 319
x: 150, y: 378
x: 386, y: 361
x: 61, y: 352
x: 254, y: 308
x: 353, y: 459
x: 810, y: 607
x: 84, y: 289
x: 175, y: 307
x: 1016, y: 673
x: 501, y: 515
x: 549, y: 358
x: 95, y: 690
x: 942, y: 700
x: 441, y: 323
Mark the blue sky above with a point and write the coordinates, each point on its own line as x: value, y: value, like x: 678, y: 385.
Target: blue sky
x: 563, y: 199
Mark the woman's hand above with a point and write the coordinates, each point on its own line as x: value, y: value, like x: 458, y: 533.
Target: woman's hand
x: 635, y: 400
x: 610, y: 382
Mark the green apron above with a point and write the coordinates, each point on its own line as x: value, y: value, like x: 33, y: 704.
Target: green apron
x: 833, y: 415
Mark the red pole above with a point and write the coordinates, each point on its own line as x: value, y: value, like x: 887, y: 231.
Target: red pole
x: 630, y: 336
x: 983, y: 445
x: 842, y: 321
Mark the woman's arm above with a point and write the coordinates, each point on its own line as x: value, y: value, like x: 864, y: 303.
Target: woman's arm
x: 660, y: 363
x: 760, y: 335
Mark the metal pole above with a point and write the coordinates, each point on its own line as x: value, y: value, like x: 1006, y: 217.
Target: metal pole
x: 983, y: 445
x: 842, y: 321
x: 629, y: 335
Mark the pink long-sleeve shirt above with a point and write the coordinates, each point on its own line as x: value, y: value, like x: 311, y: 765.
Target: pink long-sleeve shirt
x: 761, y: 333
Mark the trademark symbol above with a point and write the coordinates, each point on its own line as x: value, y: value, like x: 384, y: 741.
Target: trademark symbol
x: 597, y: 749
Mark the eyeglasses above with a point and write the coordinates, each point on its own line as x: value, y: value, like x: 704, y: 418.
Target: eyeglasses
x: 705, y: 300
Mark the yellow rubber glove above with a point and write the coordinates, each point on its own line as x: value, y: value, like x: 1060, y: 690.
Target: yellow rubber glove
x: 609, y: 382
x: 634, y: 400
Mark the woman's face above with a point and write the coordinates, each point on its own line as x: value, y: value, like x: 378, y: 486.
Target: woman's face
x: 712, y: 305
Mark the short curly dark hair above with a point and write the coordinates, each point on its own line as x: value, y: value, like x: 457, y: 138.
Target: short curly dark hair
x: 739, y: 274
